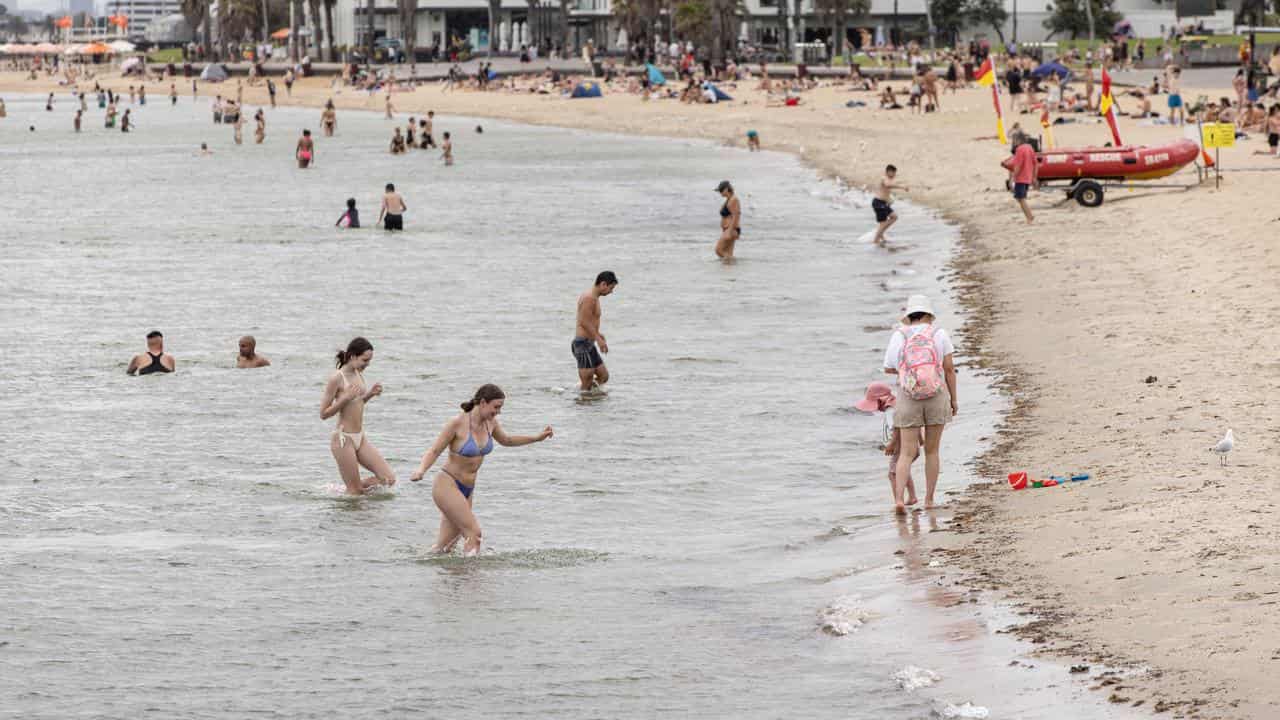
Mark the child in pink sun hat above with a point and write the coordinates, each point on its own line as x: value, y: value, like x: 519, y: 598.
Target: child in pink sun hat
x: 879, y: 398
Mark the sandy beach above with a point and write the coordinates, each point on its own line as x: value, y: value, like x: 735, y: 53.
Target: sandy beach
x: 1128, y: 338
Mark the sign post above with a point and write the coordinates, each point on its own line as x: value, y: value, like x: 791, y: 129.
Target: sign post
x: 1218, y: 136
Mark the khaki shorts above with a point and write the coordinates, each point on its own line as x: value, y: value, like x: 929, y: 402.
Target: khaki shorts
x: 918, y: 413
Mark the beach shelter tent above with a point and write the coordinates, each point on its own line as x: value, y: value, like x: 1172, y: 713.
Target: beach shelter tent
x: 655, y: 75
x: 587, y: 89
x: 1052, y: 68
x: 130, y: 64
x: 721, y: 95
x: 213, y: 73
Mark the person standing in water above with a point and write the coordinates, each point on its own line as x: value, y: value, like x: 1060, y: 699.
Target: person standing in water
x: 446, y: 150
x: 249, y: 357
x: 259, y: 132
x: 305, y: 151
x: 882, y: 203
x: 154, y: 360
x: 469, y: 438
x: 271, y: 91
x: 329, y: 119
x: 124, y: 121
x: 238, y: 124
x: 350, y: 218
x: 428, y: 127
x: 48, y: 105
x: 111, y: 116
x: 346, y: 395
x: 173, y: 94
x: 393, y: 207
x: 921, y: 355
x: 142, y: 94
x: 587, y: 336
x: 730, y: 221
x: 390, y: 109
x: 79, y: 115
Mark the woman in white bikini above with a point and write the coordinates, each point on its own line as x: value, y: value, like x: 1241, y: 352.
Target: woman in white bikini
x: 454, y: 485
x: 345, y: 395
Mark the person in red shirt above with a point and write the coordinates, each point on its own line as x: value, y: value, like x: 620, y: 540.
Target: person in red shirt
x: 1023, y: 173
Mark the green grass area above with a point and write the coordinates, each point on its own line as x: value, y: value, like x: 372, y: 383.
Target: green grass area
x: 169, y: 55
x: 1151, y: 44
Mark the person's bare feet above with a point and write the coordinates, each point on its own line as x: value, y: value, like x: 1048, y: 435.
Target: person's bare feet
x: 898, y: 509
x: 928, y: 503
x: 912, y: 500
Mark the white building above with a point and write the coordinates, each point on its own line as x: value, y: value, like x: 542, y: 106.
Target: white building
x: 142, y: 12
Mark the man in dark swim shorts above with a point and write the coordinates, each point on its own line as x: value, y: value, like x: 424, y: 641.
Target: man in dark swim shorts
x: 591, y: 370
x: 882, y: 203
x: 393, y: 207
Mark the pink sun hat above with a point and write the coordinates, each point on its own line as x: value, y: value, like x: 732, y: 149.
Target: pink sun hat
x: 879, y: 398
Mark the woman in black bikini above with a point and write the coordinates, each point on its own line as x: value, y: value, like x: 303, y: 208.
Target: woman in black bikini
x: 457, y: 479
x: 730, y: 221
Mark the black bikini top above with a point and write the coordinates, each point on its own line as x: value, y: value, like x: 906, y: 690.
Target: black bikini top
x: 155, y: 366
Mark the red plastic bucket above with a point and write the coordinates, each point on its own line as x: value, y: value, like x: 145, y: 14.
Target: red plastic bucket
x: 1017, y: 481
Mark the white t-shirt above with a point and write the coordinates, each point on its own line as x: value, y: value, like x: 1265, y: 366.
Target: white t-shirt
x: 897, y: 341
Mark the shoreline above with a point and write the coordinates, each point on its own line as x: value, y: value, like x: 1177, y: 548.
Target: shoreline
x: 1047, y: 309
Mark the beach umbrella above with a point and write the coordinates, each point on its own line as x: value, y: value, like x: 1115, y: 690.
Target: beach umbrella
x: 130, y: 64
x: 1052, y: 68
x: 623, y: 41
x: 281, y: 34
x: 655, y: 75
x: 123, y: 46
x: 95, y: 48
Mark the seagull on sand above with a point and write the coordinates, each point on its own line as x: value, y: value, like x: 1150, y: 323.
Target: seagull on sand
x: 1224, y: 446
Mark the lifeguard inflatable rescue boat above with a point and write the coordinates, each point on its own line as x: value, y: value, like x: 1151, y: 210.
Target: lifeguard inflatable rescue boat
x: 1077, y: 167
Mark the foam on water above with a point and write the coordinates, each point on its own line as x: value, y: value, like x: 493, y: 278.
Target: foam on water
x: 912, y: 678
x: 843, y: 616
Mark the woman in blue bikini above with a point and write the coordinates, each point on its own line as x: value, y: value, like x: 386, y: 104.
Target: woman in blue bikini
x: 469, y: 437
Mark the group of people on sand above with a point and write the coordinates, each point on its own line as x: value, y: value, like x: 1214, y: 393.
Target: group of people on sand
x: 468, y: 437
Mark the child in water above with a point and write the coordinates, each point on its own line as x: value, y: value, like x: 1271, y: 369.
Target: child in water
x: 350, y: 218
x: 879, y: 398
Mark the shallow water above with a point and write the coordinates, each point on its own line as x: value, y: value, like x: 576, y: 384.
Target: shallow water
x: 177, y: 544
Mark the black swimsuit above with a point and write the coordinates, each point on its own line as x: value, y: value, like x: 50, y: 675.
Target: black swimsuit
x: 724, y: 213
x: 155, y: 366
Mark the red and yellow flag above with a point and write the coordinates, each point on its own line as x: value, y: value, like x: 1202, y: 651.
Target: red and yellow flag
x: 64, y: 21
x: 1107, y: 107
x: 1047, y: 124
x: 986, y: 76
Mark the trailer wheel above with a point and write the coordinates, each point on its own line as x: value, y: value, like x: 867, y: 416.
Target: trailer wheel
x: 1088, y: 193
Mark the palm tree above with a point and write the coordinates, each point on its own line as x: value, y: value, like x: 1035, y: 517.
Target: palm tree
x: 408, y: 12
x: 196, y: 13
x: 564, y: 18
x: 532, y: 21
x: 495, y: 8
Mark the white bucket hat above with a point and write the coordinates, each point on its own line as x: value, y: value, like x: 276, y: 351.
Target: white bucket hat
x: 917, y: 304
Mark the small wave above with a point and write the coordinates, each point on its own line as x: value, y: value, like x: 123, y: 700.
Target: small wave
x: 967, y: 710
x: 544, y: 559
x: 709, y: 361
x: 912, y: 678
x: 843, y: 616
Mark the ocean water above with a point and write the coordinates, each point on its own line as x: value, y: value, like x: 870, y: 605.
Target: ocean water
x: 711, y: 539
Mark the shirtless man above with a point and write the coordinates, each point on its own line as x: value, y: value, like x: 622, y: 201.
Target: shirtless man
x: 154, y: 360
x: 249, y: 357
x: 882, y: 202
x: 393, y: 207
x: 446, y: 148
x: 428, y: 127
x: 306, y: 150
x: 930, y: 81
x: 587, y: 335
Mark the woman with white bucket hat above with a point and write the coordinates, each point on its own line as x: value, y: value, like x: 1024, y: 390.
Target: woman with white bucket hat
x: 921, y: 356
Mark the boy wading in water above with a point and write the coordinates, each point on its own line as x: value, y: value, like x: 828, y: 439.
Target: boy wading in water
x: 882, y: 203
x: 586, y: 335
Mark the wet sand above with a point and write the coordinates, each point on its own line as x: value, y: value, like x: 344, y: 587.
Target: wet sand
x: 1129, y: 338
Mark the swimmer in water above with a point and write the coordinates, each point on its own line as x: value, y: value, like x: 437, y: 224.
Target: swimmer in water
x: 111, y: 115
x: 48, y: 106
x: 885, y: 216
x: 238, y: 124
x: 204, y: 150
x: 173, y: 94
x: 154, y: 360
x: 730, y: 221
x: 306, y: 150
x: 390, y: 109
x: 469, y: 438
x: 397, y: 142
x: 329, y: 119
x: 428, y: 127
x: 3, y: 113
x: 345, y: 395
x: 446, y: 149
x: 587, y: 336
x: 79, y: 114
x: 249, y: 357
x: 259, y: 132
x: 350, y: 218
x: 409, y: 129
x: 393, y: 207
x: 124, y: 121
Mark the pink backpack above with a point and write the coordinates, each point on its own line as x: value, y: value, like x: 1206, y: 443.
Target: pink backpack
x: 920, y: 368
